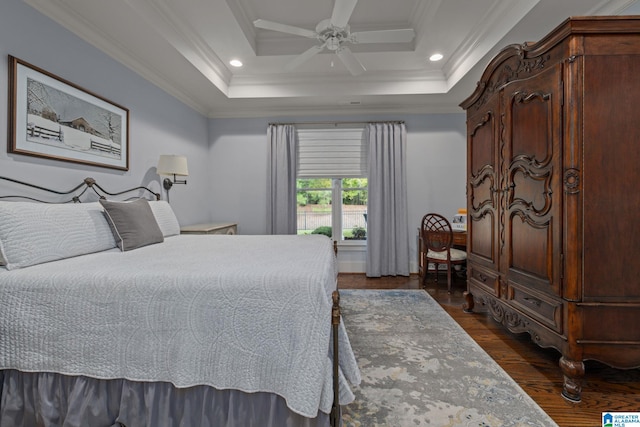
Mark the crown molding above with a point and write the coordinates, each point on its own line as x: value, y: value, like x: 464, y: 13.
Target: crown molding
x: 489, y: 30
x: 67, y: 17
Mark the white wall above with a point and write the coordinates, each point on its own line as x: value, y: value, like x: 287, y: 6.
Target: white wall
x: 159, y: 124
x: 436, y: 167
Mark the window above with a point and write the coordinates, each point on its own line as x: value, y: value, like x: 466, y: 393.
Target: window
x: 332, y: 184
x: 326, y: 205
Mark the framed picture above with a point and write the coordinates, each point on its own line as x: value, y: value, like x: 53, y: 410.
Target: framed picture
x: 53, y: 118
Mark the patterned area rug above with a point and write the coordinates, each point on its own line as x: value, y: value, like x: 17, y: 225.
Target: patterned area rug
x: 420, y: 368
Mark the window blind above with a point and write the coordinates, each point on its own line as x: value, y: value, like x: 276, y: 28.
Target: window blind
x: 332, y: 153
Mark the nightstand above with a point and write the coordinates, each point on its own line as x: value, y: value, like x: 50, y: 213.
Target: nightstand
x: 211, y: 228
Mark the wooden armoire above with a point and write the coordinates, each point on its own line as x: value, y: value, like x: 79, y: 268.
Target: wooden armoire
x: 553, y: 193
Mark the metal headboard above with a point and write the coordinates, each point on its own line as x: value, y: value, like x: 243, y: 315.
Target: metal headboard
x: 77, y: 192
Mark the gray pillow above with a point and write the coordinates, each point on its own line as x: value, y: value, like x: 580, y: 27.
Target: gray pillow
x: 133, y: 223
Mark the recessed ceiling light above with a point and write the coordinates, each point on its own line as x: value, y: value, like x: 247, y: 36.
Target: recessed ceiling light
x: 435, y: 57
x: 235, y: 63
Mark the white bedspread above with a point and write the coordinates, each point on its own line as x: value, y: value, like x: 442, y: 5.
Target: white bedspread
x: 234, y: 312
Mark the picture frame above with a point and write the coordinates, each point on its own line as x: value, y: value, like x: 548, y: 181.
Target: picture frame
x: 53, y: 118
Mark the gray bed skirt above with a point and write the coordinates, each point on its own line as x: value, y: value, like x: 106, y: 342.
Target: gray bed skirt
x: 48, y: 400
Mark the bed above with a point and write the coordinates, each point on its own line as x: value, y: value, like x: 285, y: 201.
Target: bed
x: 110, y: 317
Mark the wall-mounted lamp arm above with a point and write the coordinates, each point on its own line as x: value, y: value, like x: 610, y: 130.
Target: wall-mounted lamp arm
x: 167, y: 183
x: 170, y: 164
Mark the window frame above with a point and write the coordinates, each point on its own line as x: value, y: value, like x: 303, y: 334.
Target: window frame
x: 333, y: 152
x: 336, y: 214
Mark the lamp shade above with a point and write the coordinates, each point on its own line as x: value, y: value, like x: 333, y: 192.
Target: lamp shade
x: 171, y: 164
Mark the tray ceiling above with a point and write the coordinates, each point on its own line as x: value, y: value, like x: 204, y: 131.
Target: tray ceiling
x: 185, y: 47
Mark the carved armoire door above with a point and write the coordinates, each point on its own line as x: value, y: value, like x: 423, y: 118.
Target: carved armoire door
x: 482, y: 200
x: 530, y: 195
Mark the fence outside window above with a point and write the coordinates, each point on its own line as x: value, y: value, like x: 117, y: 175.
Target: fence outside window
x: 309, y: 221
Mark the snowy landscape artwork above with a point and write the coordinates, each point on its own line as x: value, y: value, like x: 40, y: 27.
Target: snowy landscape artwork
x: 56, y: 119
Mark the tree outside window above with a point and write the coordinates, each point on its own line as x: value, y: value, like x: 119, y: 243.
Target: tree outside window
x: 333, y: 207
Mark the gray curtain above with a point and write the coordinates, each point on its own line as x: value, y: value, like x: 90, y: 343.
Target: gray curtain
x: 281, y: 179
x: 387, y: 218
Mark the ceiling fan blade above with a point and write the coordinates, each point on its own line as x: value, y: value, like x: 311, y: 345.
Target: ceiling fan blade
x: 342, y: 11
x: 350, y: 61
x: 283, y: 28
x: 304, y: 57
x: 383, y: 36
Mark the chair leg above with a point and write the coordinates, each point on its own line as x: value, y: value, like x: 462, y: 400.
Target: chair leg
x: 425, y: 275
x: 449, y: 278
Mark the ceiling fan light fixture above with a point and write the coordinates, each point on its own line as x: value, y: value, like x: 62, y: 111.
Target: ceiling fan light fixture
x: 333, y: 43
x: 334, y: 33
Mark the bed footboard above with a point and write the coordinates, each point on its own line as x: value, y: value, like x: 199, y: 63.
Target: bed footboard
x: 335, y: 323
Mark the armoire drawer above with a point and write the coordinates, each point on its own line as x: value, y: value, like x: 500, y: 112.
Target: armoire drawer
x: 485, y: 279
x: 545, y: 309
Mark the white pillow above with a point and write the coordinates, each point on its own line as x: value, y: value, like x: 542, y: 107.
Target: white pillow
x: 33, y: 233
x: 165, y: 217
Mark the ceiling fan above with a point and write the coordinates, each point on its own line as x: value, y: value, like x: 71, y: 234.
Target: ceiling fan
x: 334, y: 33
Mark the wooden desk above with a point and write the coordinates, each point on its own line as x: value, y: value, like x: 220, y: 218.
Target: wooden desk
x: 460, y: 239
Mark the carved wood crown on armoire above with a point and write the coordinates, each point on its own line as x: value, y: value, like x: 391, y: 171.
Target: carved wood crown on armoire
x: 553, y: 166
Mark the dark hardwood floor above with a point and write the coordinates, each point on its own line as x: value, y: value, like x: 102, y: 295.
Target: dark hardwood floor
x: 535, y: 369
